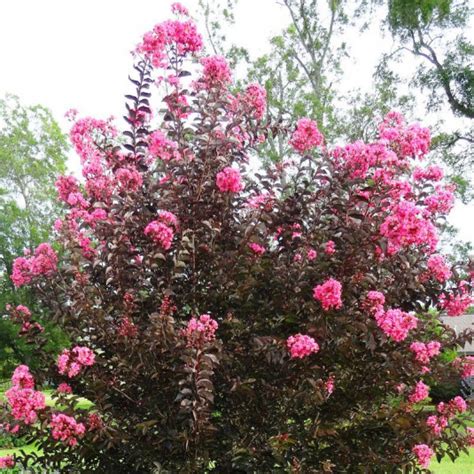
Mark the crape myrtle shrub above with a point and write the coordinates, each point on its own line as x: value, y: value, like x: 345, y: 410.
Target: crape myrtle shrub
x: 235, y: 320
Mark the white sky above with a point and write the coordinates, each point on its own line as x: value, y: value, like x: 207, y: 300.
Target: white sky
x: 65, y: 54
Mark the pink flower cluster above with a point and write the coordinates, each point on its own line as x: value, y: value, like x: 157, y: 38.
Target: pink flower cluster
x: 7, y: 462
x: 66, y: 429
x: 405, y: 225
x: 127, y: 328
x: 182, y: 35
x: 330, y: 248
x: 419, y: 393
x: 470, y: 436
x: 44, y: 262
x: 200, y: 331
x: 374, y: 301
x: 301, y: 346
x: 64, y: 388
x: 179, y: 9
x: 446, y: 411
x: 329, y: 385
x: 256, y: 248
x: 456, y: 304
x: 438, y: 268
x: 160, y: 233
x: 413, y: 140
x: 306, y: 136
x: 465, y: 365
x: 229, y: 180
x: 423, y: 454
x: 425, y: 352
x: 129, y: 179
x: 161, y: 147
x: 216, y: 72
x: 254, y: 100
x: 441, y: 201
x: 329, y: 294
x: 22, y: 378
x: 67, y: 185
x: 72, y: 362
x: 395, y: 323
x: 23, y: 399
x: 431, y: 173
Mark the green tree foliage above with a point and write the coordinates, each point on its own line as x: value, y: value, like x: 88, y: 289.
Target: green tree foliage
x: 32, y: 153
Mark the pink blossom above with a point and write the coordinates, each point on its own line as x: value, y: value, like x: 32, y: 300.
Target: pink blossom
x: 431, y: 173
x: 71, y: 362
x: 183, y: 35
x: 329, y: 385
x: 255, y: 100
x: 64, y: 388
x: 329, y: 294
x: 256, y: 248
x: 437, y: 424
x: 330, y: 247
x: 424, y: 352
x: 216, y: 72
x: 44, y: 262
x: 301, y: 346
x: 22, y: 378
x: 374, y: 301
x: 456, y: 304
x: 405, y: 225
x: 470, y: 436
x: 168, y: 218
x: 24, y: 403
x: 229, y: 180
x: 438, y: 268
x: 311, y: 254
x: 179, y: 9
x: 423, y: 453
x: 26, y: 313
x: 160, y: 233
x: 129, y: 179
x: 441, y: 201
x: 161, y: 147
x: 66, y: 429
x: 466, y: 366
x: 419, y: 393
x: 395, y: 323
x: 7, y: 462
x: 306, y: 136
x: 200, y: 331
x: 66, y: 185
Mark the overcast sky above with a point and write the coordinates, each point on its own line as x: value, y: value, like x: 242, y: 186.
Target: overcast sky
x: 65, y: 54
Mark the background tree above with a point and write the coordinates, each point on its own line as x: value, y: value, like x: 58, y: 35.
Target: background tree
x: 32, y: 154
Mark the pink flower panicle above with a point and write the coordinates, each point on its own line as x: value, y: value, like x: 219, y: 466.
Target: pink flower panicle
x: 329, y: 294
x: 183, y: 35
x: 43, y: 262
x: 395, y: 323
x: 161, y: 147
x: 254, y: 100
x: 301, y: 346
x: 229, y: 180
x: 465, y: 365
x: 64, y: 388
x: 425, y: 352
x: 22, y: 378
x: 423, y: 454
x: 7, y: 462
x: 66, y: 429
x: 160, y: 233
x: 306, y: 136
x: 419, y: 393
x: 23, y: 399
x: 256, y: 248
x: 438, y: 268
x: 216, y: 73
x: 179, y: 9
x: 200, y: 331
x: 456, y: 304
x: 374, y: 301
x: 431, y: 173
x: 72, y: 362
x: 330, y: 247
x: 405, y: 226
